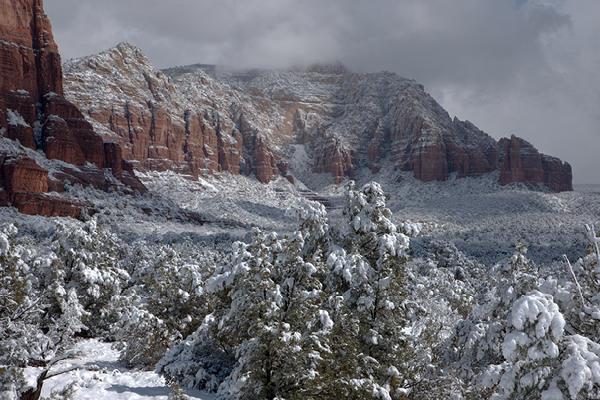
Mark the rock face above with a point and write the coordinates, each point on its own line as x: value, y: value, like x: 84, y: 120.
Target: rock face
x: 34, y: 112
x: 30, y: 59
x: 521, y: 162
x: 137, y: 106
x: 335, y: 159
x: 201, y: 119
x: 24, y: 184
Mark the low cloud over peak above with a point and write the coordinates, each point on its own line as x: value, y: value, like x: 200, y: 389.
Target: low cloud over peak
x: 528, y: 67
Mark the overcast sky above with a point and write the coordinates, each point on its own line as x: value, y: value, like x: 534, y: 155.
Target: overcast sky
x: 524, y: 67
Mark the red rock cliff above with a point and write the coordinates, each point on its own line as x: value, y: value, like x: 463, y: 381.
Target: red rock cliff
x: 28, y: 54
x: 157, y: 126
x: 521, y: 162
x: 34, y: 112
x: 196, y: 119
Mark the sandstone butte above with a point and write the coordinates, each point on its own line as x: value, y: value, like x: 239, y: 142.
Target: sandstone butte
x: 243, y: 136
x: 197, y: 120
x: 34, y: 112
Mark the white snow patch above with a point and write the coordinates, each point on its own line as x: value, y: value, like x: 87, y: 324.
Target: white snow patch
x: 15, y: 119
x: 99, y: 376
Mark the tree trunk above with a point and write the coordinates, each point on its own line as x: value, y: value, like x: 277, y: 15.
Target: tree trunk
x: 34, y: 393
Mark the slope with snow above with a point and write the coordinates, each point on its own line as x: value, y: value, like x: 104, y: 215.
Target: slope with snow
x: 347, y: 122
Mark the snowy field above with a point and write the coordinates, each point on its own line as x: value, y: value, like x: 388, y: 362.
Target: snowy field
x: 483, y: 219
x: 97, y: 375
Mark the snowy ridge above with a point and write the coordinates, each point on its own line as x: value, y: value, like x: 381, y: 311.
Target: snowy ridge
x: 380, y: 119
x: 121, y: 72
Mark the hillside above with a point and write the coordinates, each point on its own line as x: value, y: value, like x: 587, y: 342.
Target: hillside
x: 199, y: 119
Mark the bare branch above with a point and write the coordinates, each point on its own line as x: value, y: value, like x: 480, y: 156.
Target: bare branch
x: 575, y: 278
x: 62, y: 372
x: 594, y: 241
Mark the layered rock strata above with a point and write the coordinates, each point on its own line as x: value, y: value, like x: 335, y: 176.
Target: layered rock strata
x: 159, y: 128
x: 34, y: 112
x: 521, y: 162
x: 202, y: 119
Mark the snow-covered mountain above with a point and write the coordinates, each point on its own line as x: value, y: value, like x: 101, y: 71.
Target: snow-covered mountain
x: 192, y: 250
x: 324, y: 119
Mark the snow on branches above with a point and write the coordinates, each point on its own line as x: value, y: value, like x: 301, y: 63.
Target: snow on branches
x: 314, y: 313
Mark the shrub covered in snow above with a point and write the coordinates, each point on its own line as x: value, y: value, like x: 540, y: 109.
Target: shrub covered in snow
x: 318, y: 313
x: 160, y: 306
x: 517, y: 342
x: 30, y: 333
x: 87, y: 260
x: 336, y: 308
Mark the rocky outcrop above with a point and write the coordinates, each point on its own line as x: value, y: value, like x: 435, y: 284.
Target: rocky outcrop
x: 202, y: 119
x: 433, y: 152
x: 28, y: 54
x: 558, y: 175
x: 259, y: 159
x: 24, y: 185
x: 17, y: 115
x: 157, y: 127
x: 21, y: 174
x: 49, y: 206
x: 521, y: 162
x: 34, y: 112
x: 67, y: 136
x: 384, y: 117
x: 336, y: 159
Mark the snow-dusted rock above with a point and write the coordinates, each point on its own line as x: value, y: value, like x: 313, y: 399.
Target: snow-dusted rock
x: 252, y: 119
x: 34, y: 113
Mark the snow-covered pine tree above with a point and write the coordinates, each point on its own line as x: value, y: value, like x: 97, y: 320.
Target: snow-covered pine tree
x: 262, y: 337
x: 163, y: 304
x: 367, y: 276
x: 575, y: 288
x: 314, y: 314
x: 513, y: 344
x: 20, y: 313
x: 271, y: 295
x: 87, y: 259
x: 29, y: 333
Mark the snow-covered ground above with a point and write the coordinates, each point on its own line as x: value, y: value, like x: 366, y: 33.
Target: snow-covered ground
x: 98, y: 375
x: 236, y: 199
x: 482, y: 218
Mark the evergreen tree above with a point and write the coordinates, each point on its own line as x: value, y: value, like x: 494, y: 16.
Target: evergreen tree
x: 315, y: 314
x: 513, y: 345
x: 29, y: 334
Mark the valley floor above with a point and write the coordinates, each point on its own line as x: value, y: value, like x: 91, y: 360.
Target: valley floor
x: 481, y: 218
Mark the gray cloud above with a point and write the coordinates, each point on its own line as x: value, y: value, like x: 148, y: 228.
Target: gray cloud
x: 529, y: 67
